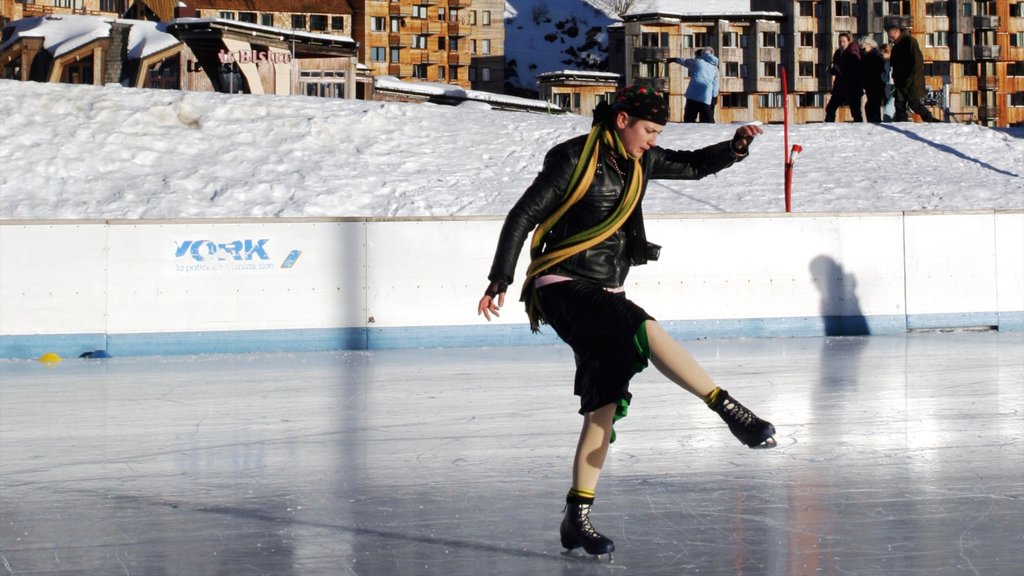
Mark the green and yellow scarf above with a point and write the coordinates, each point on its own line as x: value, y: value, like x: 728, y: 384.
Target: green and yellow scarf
x: 579, y: 183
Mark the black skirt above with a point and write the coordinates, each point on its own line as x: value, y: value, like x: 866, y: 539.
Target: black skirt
x: 600, y: 326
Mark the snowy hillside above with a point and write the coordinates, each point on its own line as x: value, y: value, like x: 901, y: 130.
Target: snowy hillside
x: 110, y: 152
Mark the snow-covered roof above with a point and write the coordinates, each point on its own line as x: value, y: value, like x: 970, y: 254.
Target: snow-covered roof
x: 581, y: 73
x: 67, y: 32
x: 285, y: 32
x: 452, y: 91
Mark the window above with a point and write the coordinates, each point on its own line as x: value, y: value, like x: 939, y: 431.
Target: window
x: 249, y: 17
x: 441, y: 43
x: 1016, y: 99
x: 1017, y: 39
x: 419, y: 71
x: 440, y: 72
x: 807, y: 39
x: 419, y: 12
x: 378, y: 54
x: 936, y: 69
x: 419, y: 41
x: 936, y: 9
x: 117, y: 6
x: 396, y: 54
x: 396, y: 24
x: 843, y: 8
x: 485, y: 46
x: 899, y: 7
x: 810, y: 100
x: 733, y: 100
x: 732, y: 69
x: 730, y: 39
x: 453, y: 72
x: 440, y: 13
x: 1015, y: 68
x: 968, y: 39
x: 453, y: 43
x: 969, y: 99
x: 472, y: 17
x: 377, y: 23
x: 700, y: 40
x: 298, y: 21
x: 472, y: 74
x: 486, y: 15
x: 769, y: 69
x: 805, y: 69
x: 337, y: 22
x: 1017, y: 10
x: 769, y: 39
x: 806, y: 8
x: 267, y: 19
x: 878, y: 9
x: 226, y: 15
x: 485, y: 74
x: 318, y: 22
x: 937, y: 38
x: 472, y: 46
x: 654, y: 39
x: 770, y: 100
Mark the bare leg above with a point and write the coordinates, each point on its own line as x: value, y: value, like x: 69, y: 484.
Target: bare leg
x: 592, y: 447
x: 672, y: 360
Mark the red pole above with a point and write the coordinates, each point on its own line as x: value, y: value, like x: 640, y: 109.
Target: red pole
x: 785, y: 131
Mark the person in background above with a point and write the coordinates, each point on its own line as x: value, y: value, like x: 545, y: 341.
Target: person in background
x: 584, y: 208
x: 888, y: 106
x: 873, y: 76
x: 846, y: 86
x: 702, y: 92
x: 907, y: 75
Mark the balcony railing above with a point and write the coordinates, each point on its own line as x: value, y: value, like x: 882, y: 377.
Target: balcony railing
x: 650, y: 53
x: 986, y: 22
x: 460, y: 3
x: 656, y: 83
x: 988, y: 83
x: 988, y: 113
x: 986, y: 52
x: 396, y: 9
x: 399, y: 70
x: 399, y: 39
x: 459, y: 29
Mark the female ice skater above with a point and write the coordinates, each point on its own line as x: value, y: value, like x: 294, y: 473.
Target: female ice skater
x: 584, y: 209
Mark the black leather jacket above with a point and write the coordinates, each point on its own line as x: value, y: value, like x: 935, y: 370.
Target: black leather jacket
x: 608, y: 263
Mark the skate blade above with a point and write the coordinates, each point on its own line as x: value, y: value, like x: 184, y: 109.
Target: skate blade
x: 584, y: 556
x: 769, y: 443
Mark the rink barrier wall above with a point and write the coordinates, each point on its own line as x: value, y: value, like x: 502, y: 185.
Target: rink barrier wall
x: 134, y: 287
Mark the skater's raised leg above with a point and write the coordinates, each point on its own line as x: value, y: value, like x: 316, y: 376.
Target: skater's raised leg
x: 672, y: 360
x: 576, y: 530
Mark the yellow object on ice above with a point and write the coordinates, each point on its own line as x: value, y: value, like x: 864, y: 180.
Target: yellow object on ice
x: 50, y: 358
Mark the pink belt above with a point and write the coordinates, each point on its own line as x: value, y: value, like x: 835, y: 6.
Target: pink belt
x: 548, y: 279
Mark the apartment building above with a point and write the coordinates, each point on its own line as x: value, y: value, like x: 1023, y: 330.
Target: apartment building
x: 748, y: 46
x: 448, y: 41
x: 973, y: 49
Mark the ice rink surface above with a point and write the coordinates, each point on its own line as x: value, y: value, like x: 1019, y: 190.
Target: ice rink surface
x: 898, y: 455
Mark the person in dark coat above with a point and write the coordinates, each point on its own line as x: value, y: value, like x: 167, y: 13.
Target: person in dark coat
x: 846, y: 84
x: 873, y: 78
x: 907, y: 75
x: 584, y: 209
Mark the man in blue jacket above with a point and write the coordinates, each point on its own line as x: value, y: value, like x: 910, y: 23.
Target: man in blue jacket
x: 703, y: 88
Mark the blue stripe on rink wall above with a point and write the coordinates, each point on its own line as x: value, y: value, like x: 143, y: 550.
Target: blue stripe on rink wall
x: 475, y: 336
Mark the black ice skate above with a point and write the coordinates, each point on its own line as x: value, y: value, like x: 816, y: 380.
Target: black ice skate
x: 577, y: 531
x: 743, y: 423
